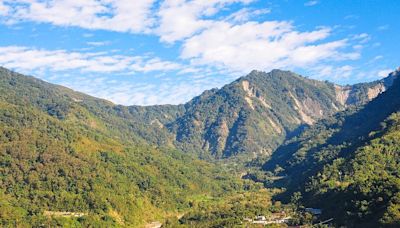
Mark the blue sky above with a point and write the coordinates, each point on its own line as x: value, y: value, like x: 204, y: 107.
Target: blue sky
x: 149, y: 52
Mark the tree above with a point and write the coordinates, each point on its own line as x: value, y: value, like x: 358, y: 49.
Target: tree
x: 295, y: 200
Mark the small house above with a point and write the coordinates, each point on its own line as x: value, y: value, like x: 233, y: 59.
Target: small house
x: 260, y: 218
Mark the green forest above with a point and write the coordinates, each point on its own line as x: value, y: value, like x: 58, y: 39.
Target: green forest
x: 71, y: 160
x: 56, y: 156
x: 347, y: 164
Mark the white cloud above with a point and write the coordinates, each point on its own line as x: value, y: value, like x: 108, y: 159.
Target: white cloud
x: 30, y: 59
x: 384, y: 73
x: 330, y: 72
x: 180, y: 19
x: 362, y: 38
x: 113, y: 15
x: 262, y: 46
x: 155, y: 64
x: 233, y: 42
x: 246, y: 14
x: 211, y: 35
x: 3, y: 8
x: 237, y: 44
x: 311, y: 3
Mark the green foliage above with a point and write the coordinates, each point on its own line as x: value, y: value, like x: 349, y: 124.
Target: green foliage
x: 348, y: 164
x: 63, y: 151
x: 57, y: 155
x: 229, y: 211
x: 234, y: 121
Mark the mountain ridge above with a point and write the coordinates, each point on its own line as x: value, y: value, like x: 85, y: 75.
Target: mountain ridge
x: 249, y: 117
x: 246, y: 102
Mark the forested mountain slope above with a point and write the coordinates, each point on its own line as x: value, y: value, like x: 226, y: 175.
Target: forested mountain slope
x: 348, y: 164
x: 57, y: 155
x: 254, y: 114
x: 249, y: 117
x: 61, y: 150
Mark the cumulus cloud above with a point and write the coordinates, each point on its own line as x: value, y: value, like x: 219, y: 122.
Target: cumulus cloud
x: 179, y: 19
x: 237, y: 44
x: 30, y: 59
x: 113, y: 15
x: 263, y: 46
x: 233, y: 42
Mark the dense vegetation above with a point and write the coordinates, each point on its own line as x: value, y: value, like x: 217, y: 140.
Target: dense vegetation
x: 348, y: 164
x: 57, y: 156
x: 254, y: 114
x: 63, y: 151
x: 228, y: 211
x: 251, y: 116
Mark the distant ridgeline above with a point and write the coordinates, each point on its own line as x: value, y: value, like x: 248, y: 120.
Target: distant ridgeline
x: 348, y: 164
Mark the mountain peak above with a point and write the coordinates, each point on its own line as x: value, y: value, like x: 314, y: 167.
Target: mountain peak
x: 388, y: 81
x: 271, y: 75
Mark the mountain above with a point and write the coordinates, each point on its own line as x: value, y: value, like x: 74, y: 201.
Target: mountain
x: 62, y: 151
x: 247, y: 118
x: 251, y: 116
x: 65, y: 154
x: 348, y: 164
x: 254, y: 114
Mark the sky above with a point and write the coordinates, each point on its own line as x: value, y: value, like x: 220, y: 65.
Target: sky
x: 147, y: 52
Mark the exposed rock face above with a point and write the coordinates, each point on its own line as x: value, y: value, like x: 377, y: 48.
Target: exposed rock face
x: 275, y: 126
x: 375, y: 91
x: 223, y: 133
x: 347, y: 95
x: 302, y: 108
x: 251, y: 93
x: 342, y: 94
x: 156, y: 122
